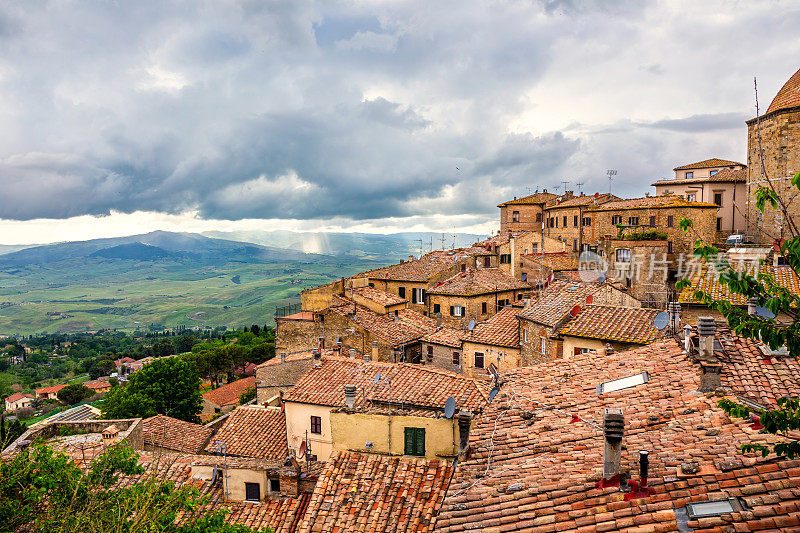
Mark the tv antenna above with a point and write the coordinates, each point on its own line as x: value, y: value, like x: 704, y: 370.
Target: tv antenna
x: 420, y: 246
x: 564, y: 185
x: 610, y: 173
x: 579, y: 184
x: 443, y: 241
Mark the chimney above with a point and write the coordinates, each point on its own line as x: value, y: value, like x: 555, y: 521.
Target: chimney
x: 374, y: 351
x: 674, y: 310
x: 110, y: 435
x: 350, y: 396
x: 320, y: 343
x: 464, y: 422
x: 710, y: 367
x: 338, y: 347
x: 410, y: 257
x: 353, y: 353
x: 644, y: 466
x: 613, y: 429
x: 752, y: 303
x: 283, y: 357
x: 317, y: 358
x: 687, y: 339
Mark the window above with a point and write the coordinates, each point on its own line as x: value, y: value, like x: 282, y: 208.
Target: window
x: 505, y: 259
x: 718, y: 198
x: 689, y: 175
x: 556, y: 219
x: 670, y: 221
x: 456, y: 358
x: 487, y: 261
x: 575, y: 221
x: 623, y: 383
x: 414, y: 441
x: 463, y: 268
x: 578, y: 351
x: 316, y: 425
x: 430, y: 354
x: 401, y: 292
x: 515, y: 216
x: 713, y: 172
x: 534, y: 247
x: 544, y: 345
x: 574, y: 245
x: 484, y: 308
x: 252, y: 492
x: 691, y: 197
x: 524, y: 276
x: 633, y: 221
x: 538, y: 217
x: 669, y: 247
x: 707, y: 509
x: 587, y: 221
x: 623, y: 255
x: 616, y: 219
x: 437, y: 308
x: 525, y: 336
x: 274, y: 484
x: 652, y: 222
x: 719, y: 224
x: 456, y: 310
x: 565, y: 221
x: 478, y: 360
x: 418, y: 296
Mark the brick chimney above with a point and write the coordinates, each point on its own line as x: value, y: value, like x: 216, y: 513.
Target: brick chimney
x: 317, y: 357
x: 464, y: 422
x: 110, y: 435
x: 613, y: 430
x: 710, y: 367
x: 350, y: 396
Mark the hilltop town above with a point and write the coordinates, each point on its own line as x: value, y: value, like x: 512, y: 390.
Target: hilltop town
x: 553, y: 377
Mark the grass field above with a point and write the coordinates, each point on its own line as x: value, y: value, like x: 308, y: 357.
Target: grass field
x: 90, y: 294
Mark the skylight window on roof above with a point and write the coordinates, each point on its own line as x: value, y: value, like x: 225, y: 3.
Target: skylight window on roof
x: 623, y: 383
x: 710, y: 508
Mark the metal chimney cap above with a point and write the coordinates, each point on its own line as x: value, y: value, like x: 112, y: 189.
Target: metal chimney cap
x: 706, y: 327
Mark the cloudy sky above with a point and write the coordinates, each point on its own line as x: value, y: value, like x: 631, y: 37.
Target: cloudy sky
x: 123, y: 117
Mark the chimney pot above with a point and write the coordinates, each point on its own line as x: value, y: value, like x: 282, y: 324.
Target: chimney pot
x: 706, y: 328
x: 352, y: 353
x: 350, y: 396
x: 613, y: 430
x: 752, y: 303
x: 283, y: 357
x: 644, y: 465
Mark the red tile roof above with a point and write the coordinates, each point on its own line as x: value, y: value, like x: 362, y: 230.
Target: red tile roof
x: 707, y: 280
x: 556, y: 301
x: 170, y: 433
x: 50, y: 390
x: 446, y: 337
x: 476, y: 281
x: 651, y: 202
x: 709, y: 163
x: 405, y: 327
x: 412, y: 385
x: 543, y: 469
x: 579, y: 201
x: 421, y: 270
x: 501, y: 238
x: 364, y: 492
x: 536, y: 198
x: 724, y: 175
x: 96, y: 384
x: 18, y: 396
x: 613, y: 323
x: 258, y: 432
x: 297, y: 356
x: 229, y: 394
x: 378, y: 296
x: 307, y: 316
x: 502, y: 329
x: 555, y: 261
x: 788, y: 96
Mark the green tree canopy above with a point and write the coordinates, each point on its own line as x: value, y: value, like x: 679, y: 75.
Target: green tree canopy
x: 72, y: 394
x: 169, y: 386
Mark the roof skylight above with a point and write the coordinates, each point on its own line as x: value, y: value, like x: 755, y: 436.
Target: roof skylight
x: 623, y: 383
x: 710, y: 508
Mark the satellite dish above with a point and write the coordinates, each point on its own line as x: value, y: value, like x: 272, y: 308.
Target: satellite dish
x: 493, y: 393
x: 575, y: 311
x: 471, y: 324
x: 661, y: 320
x: 377, y: 378
x: 589, y: 299
x: 763, y: 312
x: 450, y: 407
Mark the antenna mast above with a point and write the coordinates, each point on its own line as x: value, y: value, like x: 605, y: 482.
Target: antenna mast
x: 579, y: 184
x: 610, y: 173
x: 564, y: 185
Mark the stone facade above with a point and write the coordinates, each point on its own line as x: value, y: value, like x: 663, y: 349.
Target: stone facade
x: 272, y: 379
x: 538, y: 343
x: 298, y: 332
x: 503, y: 357
x: 524, y: 214
x: 478, y: 308
x: 510, y: 254
x: 442, y: 356
x: 642, y: 267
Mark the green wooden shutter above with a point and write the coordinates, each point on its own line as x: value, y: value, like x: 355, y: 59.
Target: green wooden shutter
x: 409, y: 441
x: 419, y: 448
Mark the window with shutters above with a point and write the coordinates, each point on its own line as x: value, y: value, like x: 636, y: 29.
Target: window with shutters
x: 418, y: 296
x: 691, y: 197
x: 633, y: 221
x: 456, y: 310
x: 587, y: 221
x: 252, y: 492
x: 670, y: 221
x: 575, y: 221
x: 437, y: 308
x: 414, y: 441
x: 316, y: 425
x: 456, y: 358
x: 616, y: 219
x: 652, y: 221
x: 623, y: 255
x: 515, y: 216
x: 478, y: 360
x: 401, y: 292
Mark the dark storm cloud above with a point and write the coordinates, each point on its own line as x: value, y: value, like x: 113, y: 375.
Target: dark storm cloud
x: 314, y: 110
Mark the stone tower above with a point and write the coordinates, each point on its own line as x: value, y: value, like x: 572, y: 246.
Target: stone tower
x: 776, y: 133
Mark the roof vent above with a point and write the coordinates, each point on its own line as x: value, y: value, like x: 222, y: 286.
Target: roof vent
x: 613, y: 430
x: 350, y: 396
x: 283, y: 357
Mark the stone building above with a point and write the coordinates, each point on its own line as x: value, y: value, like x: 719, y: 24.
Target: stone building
x: 493, y: 342
x: 776, y: 134
x: 526, y: 213
x: 442, y: 348
x: 643, y: 267
x: 475, y: 294
x: 511, y: 247
x: 566, y: 219
x: 717, y: 181
x: 601, y: 326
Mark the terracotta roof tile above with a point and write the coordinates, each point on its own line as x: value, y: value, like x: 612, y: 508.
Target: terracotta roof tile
x: 446, y: 337
x: 18, y: 396
x: 555, y: 261
x: 709, y: 163
x: 556, y: 301
x: 409, y: 384
x: 502, y: 329
x: 583, y: 200
x: 364, y: 492
x: 501, y: 238
x: 405, y: 327
x: 788, y: 96
x: 297, y: 356
x: 166, y: 432
x: 422, y: 269
x: 651, y: 202
x: 475, y: 281
x: 724, y: 175
x: 536, y: 198
x: 229, y: 394
x: 612, y: 323
x: 258, y: 432
x: 378, y: 296
x: 50, y: 390
x: 302, y: 316
x: 543, y: 470
x: 707, y: 280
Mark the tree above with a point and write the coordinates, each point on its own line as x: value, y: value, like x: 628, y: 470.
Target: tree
x: 255, y: 330
x: 75, y: 393
x: 10, y: 431
x: 247, y: 395
x: 763, y: 290
x: 169, y: 386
